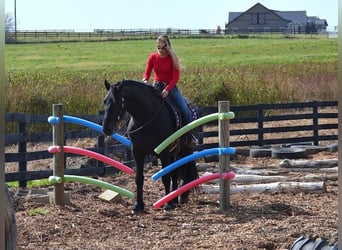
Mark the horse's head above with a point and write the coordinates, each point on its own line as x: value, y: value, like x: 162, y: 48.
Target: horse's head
x: 114, y: 108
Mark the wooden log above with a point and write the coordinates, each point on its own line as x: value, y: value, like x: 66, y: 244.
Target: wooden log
x: 314, y: 170
x: 247, y: 179
x: 282, y: 187
x: 317, y: 177
x: 252, y: 178
x: 239, y: 170
x: 308, y: 163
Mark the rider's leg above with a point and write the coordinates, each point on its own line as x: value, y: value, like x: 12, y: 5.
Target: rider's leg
x: 180, y: 102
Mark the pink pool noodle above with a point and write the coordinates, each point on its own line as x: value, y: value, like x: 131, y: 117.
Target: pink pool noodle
x: 97, y: 156
x: 190, y: 185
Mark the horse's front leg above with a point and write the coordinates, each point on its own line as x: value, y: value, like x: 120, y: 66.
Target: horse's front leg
x: 139, y: 181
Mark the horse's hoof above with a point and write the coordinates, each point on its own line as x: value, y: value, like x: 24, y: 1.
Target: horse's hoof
x: 138, y: 209
x: 169, y: 206
x: 137, y: 212
x: 184, y: 200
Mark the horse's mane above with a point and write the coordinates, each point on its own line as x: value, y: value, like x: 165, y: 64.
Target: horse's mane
x: 135, y: 82
x: 140, y: 84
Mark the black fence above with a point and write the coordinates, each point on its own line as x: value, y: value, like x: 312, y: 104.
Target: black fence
x: 253, y: 125
x: 127, y: 34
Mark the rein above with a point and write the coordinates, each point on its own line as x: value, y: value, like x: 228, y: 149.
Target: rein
x: 149, y: 121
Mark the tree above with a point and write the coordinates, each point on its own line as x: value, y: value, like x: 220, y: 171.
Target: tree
x: 218, y: 29
x: 9, y: 22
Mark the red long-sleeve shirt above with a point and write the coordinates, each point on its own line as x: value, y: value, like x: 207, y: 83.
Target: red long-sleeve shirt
x: 164, y: 70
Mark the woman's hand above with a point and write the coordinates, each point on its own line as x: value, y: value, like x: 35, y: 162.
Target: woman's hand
x: 164, y: 93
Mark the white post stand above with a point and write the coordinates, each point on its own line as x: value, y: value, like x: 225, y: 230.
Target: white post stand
x: 223, y: 107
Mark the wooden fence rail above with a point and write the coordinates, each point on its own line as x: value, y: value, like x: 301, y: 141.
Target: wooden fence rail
x: 253, y: 125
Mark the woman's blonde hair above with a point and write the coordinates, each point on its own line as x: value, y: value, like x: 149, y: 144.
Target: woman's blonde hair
x: 166, y: 40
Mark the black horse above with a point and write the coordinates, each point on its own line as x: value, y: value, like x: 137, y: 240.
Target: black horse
x: 152, y: 121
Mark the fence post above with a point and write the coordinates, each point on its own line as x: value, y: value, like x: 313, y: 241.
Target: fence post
x: 58, y: 157
x: 22, y: 148
x: 100, y: 144
x: 261, y: 126
x: 223, y: 107
x: 315, y: 122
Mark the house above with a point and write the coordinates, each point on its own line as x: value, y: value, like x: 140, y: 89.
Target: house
x: 317, y: 24
x: 261, y: 19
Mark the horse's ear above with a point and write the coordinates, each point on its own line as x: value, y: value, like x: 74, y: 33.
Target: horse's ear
x: 107, y: 84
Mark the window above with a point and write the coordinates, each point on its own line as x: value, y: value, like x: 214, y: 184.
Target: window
x: 258, y: 18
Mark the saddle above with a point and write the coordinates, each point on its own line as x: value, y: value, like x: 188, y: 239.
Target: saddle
x: 159, y: 86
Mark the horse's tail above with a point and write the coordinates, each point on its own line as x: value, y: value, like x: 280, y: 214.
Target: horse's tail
x: 189, y: 170
x: 189, y: 173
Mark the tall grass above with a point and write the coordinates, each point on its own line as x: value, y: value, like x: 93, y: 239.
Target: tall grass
x: 243, y: 71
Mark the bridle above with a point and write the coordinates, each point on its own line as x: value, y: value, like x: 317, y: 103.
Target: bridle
x: 123, y: 109
x: 149, y: 121
x: 121, y: 103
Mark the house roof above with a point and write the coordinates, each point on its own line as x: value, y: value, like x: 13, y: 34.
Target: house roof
x: 317, y: 21
x: 297, y: 16
x: 233, y: 15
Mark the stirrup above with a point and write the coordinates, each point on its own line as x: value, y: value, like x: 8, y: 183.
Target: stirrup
x: 191, y: 140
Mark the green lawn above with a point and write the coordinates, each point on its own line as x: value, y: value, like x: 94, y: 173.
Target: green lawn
x: 244, y: 71
x: 131, y: 55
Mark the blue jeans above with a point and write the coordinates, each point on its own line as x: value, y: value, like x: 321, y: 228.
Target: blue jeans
x: 180, y: 102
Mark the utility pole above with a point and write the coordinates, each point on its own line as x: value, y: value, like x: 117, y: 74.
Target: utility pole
x: 15, y: 20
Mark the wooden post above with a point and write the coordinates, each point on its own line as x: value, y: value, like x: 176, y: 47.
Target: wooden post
x: 100, y: 144
x: 22, y: 148
x: 58, y: 157
x: 2, y: 124
x: 223, y: 107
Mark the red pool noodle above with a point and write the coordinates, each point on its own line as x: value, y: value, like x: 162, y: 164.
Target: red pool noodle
x: 190, y: 185
x: 81, y: 151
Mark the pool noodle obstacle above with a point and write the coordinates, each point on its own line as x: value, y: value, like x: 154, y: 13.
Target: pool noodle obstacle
x: 92, y: 125
x: 97, y: 156
x: 184, y: 160
x: 196, y: 123
x: 58, y: 150
x: 190, y: 185
x: 87, y: 180
x: 223, y: 115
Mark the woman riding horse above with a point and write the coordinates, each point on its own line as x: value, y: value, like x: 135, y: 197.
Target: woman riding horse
x: 152, y: 121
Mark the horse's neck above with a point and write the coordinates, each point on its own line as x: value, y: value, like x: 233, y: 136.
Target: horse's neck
x: 141, y: 103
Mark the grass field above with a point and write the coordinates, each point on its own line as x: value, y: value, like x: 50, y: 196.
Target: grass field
x: 243, y: 71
